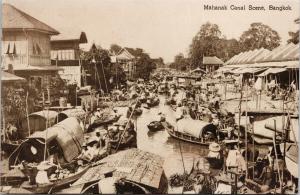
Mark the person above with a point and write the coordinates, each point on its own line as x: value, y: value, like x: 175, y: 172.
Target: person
x: 214, y: 151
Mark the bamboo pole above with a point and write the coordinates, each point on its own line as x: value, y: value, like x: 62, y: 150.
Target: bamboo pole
x: 276, y: 156
x: 246, y: 131
x: 240, y: 108
x: 27, y: 114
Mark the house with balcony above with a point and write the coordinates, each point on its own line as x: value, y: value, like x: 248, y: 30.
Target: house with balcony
x: 26, y: 47
x: 65, y: 54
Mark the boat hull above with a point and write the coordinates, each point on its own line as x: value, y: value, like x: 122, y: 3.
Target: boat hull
x: 184, y: 136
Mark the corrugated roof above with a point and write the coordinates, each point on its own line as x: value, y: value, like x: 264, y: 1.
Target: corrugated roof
x: 13, y: 18
x: 212, y: 60
x: 277, y: 52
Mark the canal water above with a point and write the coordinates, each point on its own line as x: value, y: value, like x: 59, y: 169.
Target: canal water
x: 162, y: 143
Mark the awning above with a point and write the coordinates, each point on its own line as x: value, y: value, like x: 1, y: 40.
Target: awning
x: 272, y: 71
x: 8, y: 77
x: 248, y: 70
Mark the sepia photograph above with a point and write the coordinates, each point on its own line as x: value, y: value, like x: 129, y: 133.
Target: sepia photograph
x: 149, y: 96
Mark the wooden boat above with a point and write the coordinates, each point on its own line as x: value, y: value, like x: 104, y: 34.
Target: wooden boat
x: 155, y: 126
x: 207, y: 133
x: 137, y: 112
x: 54, y: 185
x: 153, y: 102
x: 291, y: 159
x: 104, y: 121
x: 126, y: 187
x: 143, y: 169
x: 10, y: 146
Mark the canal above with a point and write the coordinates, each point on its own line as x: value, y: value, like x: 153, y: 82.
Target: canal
x: 162, y: 143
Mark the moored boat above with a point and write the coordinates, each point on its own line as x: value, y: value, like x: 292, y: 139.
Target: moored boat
x: 155, y: 126
x: 194, y: 131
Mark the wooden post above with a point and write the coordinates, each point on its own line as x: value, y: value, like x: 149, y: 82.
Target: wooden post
x: 246, y: 131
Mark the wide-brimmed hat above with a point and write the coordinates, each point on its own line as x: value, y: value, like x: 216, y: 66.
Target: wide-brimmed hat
x: 214, y: 147
x: 44, y: 166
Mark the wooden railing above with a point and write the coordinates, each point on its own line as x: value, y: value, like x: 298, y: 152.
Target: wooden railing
x: 39, y: 60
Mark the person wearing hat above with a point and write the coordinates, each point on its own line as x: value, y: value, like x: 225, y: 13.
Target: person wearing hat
x: 214, y: 151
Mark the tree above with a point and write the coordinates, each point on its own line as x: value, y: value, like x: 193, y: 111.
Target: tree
x: 227, y: 48
x: 144, y: 66
x: 259, y: 35
x: 98, y: 65
x: 115, y: 48
x: 204, y: 43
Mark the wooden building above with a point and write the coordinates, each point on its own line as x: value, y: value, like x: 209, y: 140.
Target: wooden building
x: 127, y: 58
x: 26, y: 47
x: 211, y: 63
x: 65, y: 53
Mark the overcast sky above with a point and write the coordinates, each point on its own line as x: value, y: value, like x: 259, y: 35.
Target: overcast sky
x: 161, y: 27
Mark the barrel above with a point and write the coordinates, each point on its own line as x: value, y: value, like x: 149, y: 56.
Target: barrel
x: 62, y: 102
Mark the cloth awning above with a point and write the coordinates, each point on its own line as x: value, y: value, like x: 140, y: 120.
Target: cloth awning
x: 272, y: 71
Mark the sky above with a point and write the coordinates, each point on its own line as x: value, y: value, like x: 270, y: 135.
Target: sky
x: 163, y: 28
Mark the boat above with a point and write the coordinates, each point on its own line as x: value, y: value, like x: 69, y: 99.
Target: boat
x: 9, y: 146
x: 64, y: 139
x: 104, y: 121
x: 291, y: 159
x: 155, y: 126
x: 54, y: 185
x: 194, y: 131
x: 112, y: 187
x: 137, y: 112
x: 153, y: 102
x: 143, y: 171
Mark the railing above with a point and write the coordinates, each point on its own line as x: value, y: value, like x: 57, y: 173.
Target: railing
x: 65, y: 62
x: 39, y: 60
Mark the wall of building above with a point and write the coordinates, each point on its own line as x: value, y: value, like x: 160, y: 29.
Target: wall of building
x: 39, y: 49
x: 9, y: 41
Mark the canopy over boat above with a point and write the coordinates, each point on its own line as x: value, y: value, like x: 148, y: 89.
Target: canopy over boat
x: 135, y: 165
x: 76, y: 112
x: 266, y: 128
x: 65, y: 139
x: 38, y: 121
x: 195, y: 128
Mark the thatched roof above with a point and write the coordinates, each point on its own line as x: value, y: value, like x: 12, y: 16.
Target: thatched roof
x: 15, y: 19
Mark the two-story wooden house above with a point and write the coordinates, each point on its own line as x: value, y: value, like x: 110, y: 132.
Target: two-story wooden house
x: 65, y: 53
x: 26, y: 47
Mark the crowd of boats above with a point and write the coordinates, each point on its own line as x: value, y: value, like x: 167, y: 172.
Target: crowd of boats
x: 93, y: 148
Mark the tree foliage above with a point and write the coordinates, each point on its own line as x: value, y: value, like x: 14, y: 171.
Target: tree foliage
x: 180, y: 62
x: 204, y: 43
x: 259, y: 35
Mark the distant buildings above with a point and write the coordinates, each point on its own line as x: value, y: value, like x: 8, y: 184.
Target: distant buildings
x: 127, y: 58
x: 211, y: 64
x: 26, y: 47
x: 65, y: 53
